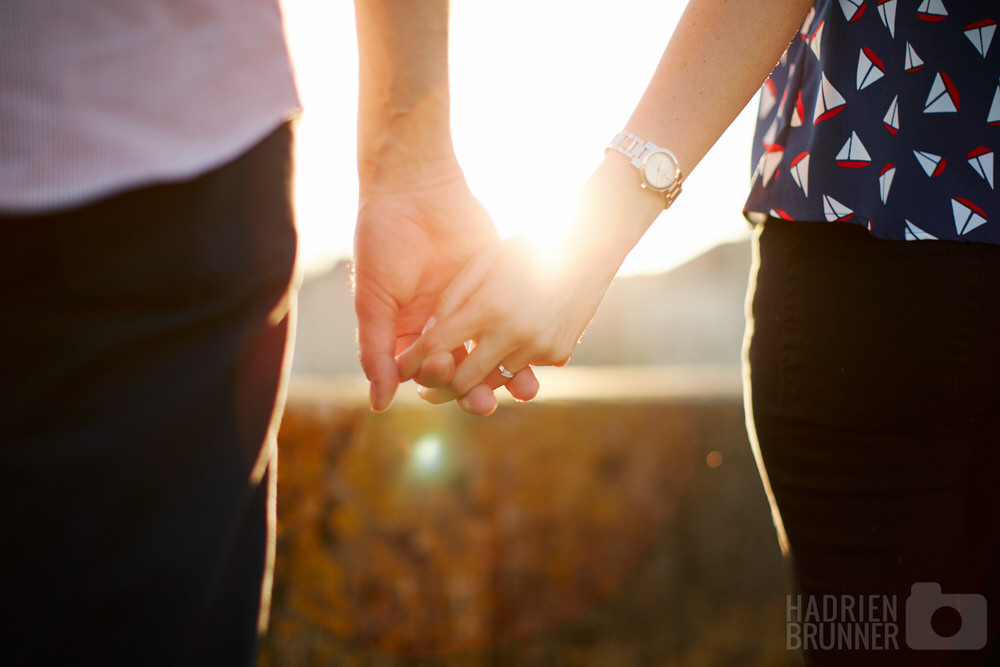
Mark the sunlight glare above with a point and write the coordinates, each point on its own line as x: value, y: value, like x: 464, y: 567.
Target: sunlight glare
x: 427, y: 455
x: 537, y: 91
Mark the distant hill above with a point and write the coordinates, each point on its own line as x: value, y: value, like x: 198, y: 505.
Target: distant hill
x: 326, y: 334
x: 690, y: 315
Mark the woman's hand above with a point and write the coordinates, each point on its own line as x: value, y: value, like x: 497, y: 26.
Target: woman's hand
x: 517, y: 304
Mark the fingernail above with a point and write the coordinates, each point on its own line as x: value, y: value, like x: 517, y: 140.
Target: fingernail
x: 379, y: 400
x: 405, y: 366
x: 470, y: 407
x: 427, y: 327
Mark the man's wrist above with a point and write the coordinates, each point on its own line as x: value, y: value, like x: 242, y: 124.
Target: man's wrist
x: 405, y: 149
x: 404, y: 125
x: 400, y: 173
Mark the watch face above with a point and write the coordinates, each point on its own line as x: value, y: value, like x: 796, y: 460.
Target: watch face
x: 659, y: 170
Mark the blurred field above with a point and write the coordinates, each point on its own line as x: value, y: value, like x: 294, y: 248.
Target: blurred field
x: 627, y: 528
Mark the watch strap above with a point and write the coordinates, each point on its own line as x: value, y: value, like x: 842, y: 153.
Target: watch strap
x: 631, y: 147
x: 636, y: 150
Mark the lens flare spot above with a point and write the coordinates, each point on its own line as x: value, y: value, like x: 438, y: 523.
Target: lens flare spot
x: 428, y: 454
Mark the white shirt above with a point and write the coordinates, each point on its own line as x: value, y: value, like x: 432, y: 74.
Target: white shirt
x: 99, y: 96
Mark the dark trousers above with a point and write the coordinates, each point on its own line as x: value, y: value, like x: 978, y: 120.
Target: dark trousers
x: 142, y: 357
x: 874, y: 396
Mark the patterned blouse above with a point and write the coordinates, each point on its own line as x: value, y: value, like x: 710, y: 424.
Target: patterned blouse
x: 885, y: 113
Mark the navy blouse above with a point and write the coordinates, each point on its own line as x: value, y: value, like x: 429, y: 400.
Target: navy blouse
x: 885, y: 113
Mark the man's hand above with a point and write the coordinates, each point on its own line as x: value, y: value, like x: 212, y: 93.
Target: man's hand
x: 418, y: 224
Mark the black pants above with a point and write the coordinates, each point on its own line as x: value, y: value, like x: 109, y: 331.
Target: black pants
x: 142, y: 356
x: 874, y: 394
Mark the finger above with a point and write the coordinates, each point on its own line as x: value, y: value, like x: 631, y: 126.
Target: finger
x: 479, y: 401
x: 377, y: 341
x: 524, y: 385
x: 436, y: 395
x: 442, y: 393
x: 480, y: 366
x: 439, y: 392
x: 445, y: 335
x: 436, y: 370
x: 466, y: 282
x: 451, y: 299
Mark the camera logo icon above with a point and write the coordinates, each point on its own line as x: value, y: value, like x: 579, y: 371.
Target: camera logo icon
x: 925, y: 600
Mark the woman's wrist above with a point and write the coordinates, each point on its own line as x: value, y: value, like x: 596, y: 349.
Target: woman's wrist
x: 612, y: 215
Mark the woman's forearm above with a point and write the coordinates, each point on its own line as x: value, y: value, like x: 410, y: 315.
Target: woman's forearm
x: 717, y: 58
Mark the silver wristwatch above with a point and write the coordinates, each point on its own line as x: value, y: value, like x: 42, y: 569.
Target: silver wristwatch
x: 658, y: 168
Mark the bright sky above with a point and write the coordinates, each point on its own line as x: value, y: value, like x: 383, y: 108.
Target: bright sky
x: 539, y: 87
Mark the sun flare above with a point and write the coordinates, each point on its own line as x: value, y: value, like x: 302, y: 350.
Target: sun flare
x: 533, y: 104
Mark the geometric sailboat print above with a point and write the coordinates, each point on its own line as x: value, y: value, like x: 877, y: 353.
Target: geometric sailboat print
x: 912, y: 62
x: 800, y: 172
x: 769, y: 162
x: 914, y: 233
x: 933, y: 165
x: 891, y: 118
x: 885, y: 181
x: 932, y: 11
x: 853, y: 154
x: 768, y: 98
x: 829, y: 102
x: 981, y: 159
x: 887, y: 12
x: 968, y: 216
x: 870, y: 68
x: 798, y: 111
x: 835, y: 211
x: 816, y: 39
x: 853, y: 9
x: 807, y: 23
x: 784, y: 95
x: 981, y: 35
x: 943, y: 97
x: 772, y: 132
x: 994, y: 116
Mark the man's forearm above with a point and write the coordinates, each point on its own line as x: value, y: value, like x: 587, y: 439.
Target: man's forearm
x: 403, y: 104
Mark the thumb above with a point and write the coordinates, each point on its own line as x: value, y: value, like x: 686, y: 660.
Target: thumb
x: 377, y: 340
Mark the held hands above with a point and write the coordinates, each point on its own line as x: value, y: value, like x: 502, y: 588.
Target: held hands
x: 411, y: 240
x: 523, y: 303
x: 520, y: 304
